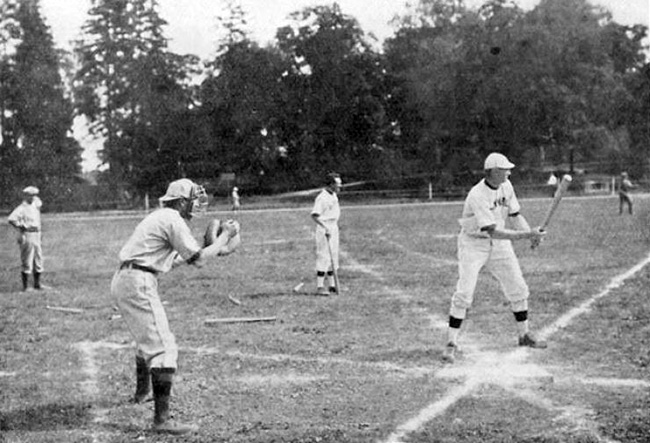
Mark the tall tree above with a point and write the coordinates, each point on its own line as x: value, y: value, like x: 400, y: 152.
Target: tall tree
x: 41, y: 112
x: 130, y: 87
x: 338, y: 93
x: 10, y: 33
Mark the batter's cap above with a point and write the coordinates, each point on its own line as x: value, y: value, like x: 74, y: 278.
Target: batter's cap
x: 30, y: 190
x: 496, y: 160
x: 183, y: 188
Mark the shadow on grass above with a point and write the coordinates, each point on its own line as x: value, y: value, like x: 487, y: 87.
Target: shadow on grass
x: 50, y: 417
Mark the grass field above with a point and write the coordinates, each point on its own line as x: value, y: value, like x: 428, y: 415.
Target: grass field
x: 360, y: 367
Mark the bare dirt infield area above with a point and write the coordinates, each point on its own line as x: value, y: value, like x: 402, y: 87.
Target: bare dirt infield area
x: 363, y: 366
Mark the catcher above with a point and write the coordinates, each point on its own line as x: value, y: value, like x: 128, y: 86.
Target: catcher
x: 161, y: 241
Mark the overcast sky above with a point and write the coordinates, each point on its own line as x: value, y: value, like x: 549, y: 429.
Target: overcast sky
x: 192, y: 24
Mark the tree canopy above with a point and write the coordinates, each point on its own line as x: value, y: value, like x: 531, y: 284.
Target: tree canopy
x: 561, y: 83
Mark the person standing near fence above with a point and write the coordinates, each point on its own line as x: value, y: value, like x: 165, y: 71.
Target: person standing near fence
x: 326, y: 213
x: 26, y: 219
x: 236, y: 204
x: 624, y: 194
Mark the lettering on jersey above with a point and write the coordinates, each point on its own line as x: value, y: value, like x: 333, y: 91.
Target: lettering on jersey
x: 499, y: 202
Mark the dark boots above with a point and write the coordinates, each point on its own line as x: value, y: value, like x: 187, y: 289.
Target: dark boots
x: 25, y: 278
x: 143, y: 380
x: 161, y: 380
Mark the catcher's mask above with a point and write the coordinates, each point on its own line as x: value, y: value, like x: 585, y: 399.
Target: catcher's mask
x: 194, y: 197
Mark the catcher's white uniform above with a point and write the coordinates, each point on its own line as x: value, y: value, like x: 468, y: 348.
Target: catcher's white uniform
x: 326, y: 206
x: 486, y: 206
x: 154, y: 245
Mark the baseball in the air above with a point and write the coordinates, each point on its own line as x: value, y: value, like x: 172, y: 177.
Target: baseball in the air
x: 567, y: 177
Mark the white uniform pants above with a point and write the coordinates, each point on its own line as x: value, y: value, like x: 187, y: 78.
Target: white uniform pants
x: 498, y: 257
x: 31, y: 253
x: 136, y: 294
x: 323, y: 261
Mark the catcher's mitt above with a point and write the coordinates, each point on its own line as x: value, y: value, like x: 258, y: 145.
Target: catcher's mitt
x: 212, y: 232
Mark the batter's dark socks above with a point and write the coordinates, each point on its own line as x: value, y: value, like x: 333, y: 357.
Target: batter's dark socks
x: 521, y: 316
x: 455, y: 322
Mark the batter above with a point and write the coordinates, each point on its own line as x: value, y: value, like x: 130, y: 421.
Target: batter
x: 326, y: 213
x: 26, y: 218
x: 485, y: 240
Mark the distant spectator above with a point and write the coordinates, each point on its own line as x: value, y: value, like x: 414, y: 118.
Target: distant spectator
x: 26, y: 218
x: 552, y: 183
x: 235, y: 199
x: 623, y: 194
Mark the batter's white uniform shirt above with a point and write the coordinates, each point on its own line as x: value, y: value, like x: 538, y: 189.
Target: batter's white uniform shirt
x: 154, y: 244
x: 327, y: 207
x: 28, y: 216
x: 485, y: 207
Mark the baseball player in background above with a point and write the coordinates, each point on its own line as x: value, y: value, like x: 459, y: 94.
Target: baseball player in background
x: 26, y: 218
x: 163, y: 239
x: 624, y: 194
x: 326, y: 213
x: 490, y: 221
x: 236, y: 204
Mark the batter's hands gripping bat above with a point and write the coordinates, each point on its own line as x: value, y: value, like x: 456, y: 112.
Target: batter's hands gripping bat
x: 559, y: 193
x: 334, y: 271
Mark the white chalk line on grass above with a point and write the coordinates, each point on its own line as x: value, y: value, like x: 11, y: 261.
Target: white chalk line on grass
x: 584, y: 307
x: 437, y: 262
x: 90, y: 385
x: 475, y: 378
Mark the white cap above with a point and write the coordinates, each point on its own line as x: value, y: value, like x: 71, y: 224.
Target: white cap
x: 183, y: 188
x: 31, y: 190
x: 496, y: 160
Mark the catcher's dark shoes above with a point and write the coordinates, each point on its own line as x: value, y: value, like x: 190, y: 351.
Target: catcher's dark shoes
x: 449, y: 353
x: 174, y: 428
x: 530, y: 341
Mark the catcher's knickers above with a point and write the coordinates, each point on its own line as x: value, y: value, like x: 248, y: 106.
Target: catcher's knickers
x: 498, y: 256
x: 136, y: 294
x: 31, y: 253
x: 323, y: 261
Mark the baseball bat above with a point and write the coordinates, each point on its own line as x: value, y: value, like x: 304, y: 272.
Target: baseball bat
x: 334, y: 271
x: 559, y: 193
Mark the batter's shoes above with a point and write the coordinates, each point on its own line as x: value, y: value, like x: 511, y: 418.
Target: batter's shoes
x: 530, y: 341
x: 449, y: 353
x: 322, y: 291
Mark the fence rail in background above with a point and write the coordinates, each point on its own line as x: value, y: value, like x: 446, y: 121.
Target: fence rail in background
x: 580, y: 186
